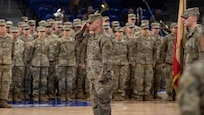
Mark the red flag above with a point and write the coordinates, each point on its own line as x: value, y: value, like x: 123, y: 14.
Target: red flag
x: 178, y: 48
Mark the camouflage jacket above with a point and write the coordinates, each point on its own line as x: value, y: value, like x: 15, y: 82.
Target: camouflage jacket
x: 99, y: 51
x: 40, y: 52
x: 19, y: 53
x: 167, y: 48
x: 67, y: 56
x: 191, y: 90
x: 6, y: 49
x: 53, y: 46
x: 120, y: 52
x: 143, y: 51
x: 192, y: 50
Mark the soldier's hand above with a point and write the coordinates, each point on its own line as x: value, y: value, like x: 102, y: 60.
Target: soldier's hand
x: 134, y: 64
x: 83, y: 66
x: 100, y: 79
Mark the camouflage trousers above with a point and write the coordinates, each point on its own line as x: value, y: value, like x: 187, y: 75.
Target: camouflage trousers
x: 52, y: 78
x: 27, y: 79
x: 101, y: 94
x: 158, y: 74
x: 120, y: 75
x: 67, y: 74
x: 5, y: 80
x: 144, y: 78
x: 81, y: 77
x: 17, y: 78
x: 39, y: 80
x: 169, y: 79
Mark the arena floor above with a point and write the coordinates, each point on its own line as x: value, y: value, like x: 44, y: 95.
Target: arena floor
x: 80, y: 107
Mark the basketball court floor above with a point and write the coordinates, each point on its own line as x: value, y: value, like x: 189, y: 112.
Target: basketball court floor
x: 81, y: 107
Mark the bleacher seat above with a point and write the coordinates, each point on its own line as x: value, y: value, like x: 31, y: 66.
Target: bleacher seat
x: 114, y: 11
x: 113, y: 18
x: 70, y: 18
x: 79, y: 16
x: 48, y: 16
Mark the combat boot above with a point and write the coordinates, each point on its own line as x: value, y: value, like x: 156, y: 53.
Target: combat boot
x: 73, y: 96
x: 27, y: 97
x: 88, y: 97
x: 140, y: 98
x: 170, y: 98
x: 80, y: 95
x: 4, y: 104
x: 116, y: 97
x: 157, y: 97
x: 10, y: 98
x: 148, y: 98
x: 62, y: 97
x: 52, y: 96
x: 46, y: 96
x: 21, y: 96
x: 43, y: 98
x: 16, y: 98
x: 36, y: 98
x: 68, y: 98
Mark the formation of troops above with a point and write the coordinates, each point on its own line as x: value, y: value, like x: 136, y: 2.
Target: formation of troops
x: 63, y: 59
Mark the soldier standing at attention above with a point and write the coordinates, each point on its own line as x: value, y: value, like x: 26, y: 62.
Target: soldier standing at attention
x: 155, y: 29
x: 120, y: 64
x: 166, y: 52
x: 19, y: 67
x: 191, y: 87
x: 40, y: 65
x: 6, y: 50
x: 99, y: 66
x: 192, y: 50
x: 144, y: 51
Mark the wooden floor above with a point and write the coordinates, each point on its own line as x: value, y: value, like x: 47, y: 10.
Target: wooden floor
x: 129, y: 107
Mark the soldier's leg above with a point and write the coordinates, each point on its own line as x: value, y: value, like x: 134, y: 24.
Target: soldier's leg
x: 80, y: 83
x: 51, y: 80
x: 132, y: 83
x: 28, y: 81
x: 93, y: 94
x: 104, y: 92
x: 148, y: 81
x: 169, y: 79
x: 116, y: 73
x: 157, y: 80
x: 62, y: 81
x: 4, y: 88
x: 122, y: 79
x: 74, y: 85
x: 43, y: 84
x: 36, y: 82
x: 139, y: 77
x: 71, y: 73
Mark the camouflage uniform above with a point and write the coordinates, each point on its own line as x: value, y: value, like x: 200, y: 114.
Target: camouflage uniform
x: 166, y: 52
x: 67, y: 65
x: 190, y: 94
x: 6, y: 49
x: 40, y: 64
x: 52, y: 56
x: 120, y: 67
x: 18, y: 69
x: 99, y: 69
x: 27, y: 75
x: 144, y: 54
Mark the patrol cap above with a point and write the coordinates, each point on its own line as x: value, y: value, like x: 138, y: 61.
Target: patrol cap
x: 31, y: 22
x: 93, y: 17
x: 115, y: 23
x: 50, y: 20
x: 77, y: 24
x: 68, y: 24
x: 42, y: 23
x: 129, y: 25
x: 144, y: 24
x: 66, y: 27
x: 24, y: 19
x: 77, y: 20
x: 48, y: 24
x: 106, y: 26
x: 14, y: 30
x: 132, y: 16
x: 173, y: 25
x: 20, y: 24
x: 40, y: 29
x: 119, y: 29
x: 2, y: 22
x: 58, y: 24
x: 9, y: 24
x: 26, y: 27
x: 155, y: 25
x: 106, y: 18
x: 191, y: 12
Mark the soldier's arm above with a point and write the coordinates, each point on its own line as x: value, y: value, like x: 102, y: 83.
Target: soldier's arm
x: 163, y: 48
x: 106, y: 48
x: 154, y: 53
x: 132, y: 50
x: 188, y: 95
